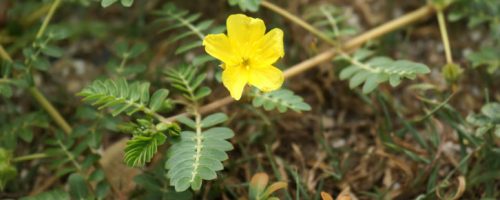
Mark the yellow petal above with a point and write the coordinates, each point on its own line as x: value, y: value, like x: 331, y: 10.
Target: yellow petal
x: 266, y: 78
x: 269, y: 48
x: 219, y: 46
x: 234, y: 79
x: 244, y: 30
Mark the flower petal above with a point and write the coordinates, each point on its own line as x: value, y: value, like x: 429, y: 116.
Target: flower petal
x: 219, y: 46
x: 269, y: 48
x: 234, y: 79
x: 266, y: 78
x: 244, y: 30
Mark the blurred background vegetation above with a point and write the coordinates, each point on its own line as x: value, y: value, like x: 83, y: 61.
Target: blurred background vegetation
x: 434, y: 136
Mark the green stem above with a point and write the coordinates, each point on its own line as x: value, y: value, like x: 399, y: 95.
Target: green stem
x: 51, y: 110
x: 332, y: 21
x: 69, y: 155
x: 298, y: 21
x: 30, y: 157
x: 47, y: 19
x: 146, y: 110
x: 189, y: 25
x: 444, y: 36
x: 4, y: 55
x: 122, y: 64
x: 358, y: 63
x: 199, y: 145
x: 5, y: 81
x: 42, y: 100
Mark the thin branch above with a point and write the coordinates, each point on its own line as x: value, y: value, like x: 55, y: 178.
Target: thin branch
x: 39, y: 97
x: 190, y: 26
x: 45, y: 23
x: 298, y: 21
x: 4, y: 55
x: 30, y: 157
x: 444, y: 36
x: 56, y: 116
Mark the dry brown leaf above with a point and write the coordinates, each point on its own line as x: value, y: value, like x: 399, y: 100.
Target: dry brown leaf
x: 120, y: 175
x: 326, y: 196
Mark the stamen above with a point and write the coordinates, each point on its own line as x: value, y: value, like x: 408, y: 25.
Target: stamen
x: 246, y: 63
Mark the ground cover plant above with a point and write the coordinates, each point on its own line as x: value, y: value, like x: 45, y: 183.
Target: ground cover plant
x: 249, y: 99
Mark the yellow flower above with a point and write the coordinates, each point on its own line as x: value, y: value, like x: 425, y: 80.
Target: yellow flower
x: 247, y: 54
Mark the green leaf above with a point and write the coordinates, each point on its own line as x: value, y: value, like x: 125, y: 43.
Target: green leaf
x: 202, y: 92
x: 127, y: 3
x: 282, y: 100
x: 121, y: 49
x: 120, y: 96
x: 7, y: 171
x: 21, y: 127
x: 52, y: 51
x: 188, y: 27
x: 137, y: 49
x: 213, y: 119
x: 102, y: 190
x: 49, y: 195
x: 250, y: 5
x: 186, y: 121
x: 78, y: 187
x: 186, y: 80
x: 5, y: 90
x: 377, y: 70
x: 58, y: 32
x: 487, y: 120
x: 106, y: 3
x: 492, y: 111
x: 157, y: 99
x: 141, y: 149
x: 189, y: 46
x: 331, y: 20
x: 197, y: 156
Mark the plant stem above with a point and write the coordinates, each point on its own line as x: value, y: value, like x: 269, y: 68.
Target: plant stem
x: 298, y: 21
x: 350, y: 45
x: 47, y: 19
x: 4, y: 55
x: 5, y: 81
x: 207, y: 108
x: 42, y: 100
x: 444, y: 36
x: 189, y: 25
x: 199, y: 145
x: 56, y: 116
x: 69, y: 155
x: 30, y: 157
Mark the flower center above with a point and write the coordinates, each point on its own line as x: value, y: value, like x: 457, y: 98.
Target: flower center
x: 246, y: 63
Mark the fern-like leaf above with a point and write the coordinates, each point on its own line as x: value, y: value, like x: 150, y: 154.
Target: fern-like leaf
x: 488, y: 57
x: 330, y: 19
x: 126, y: 3
x: 186, y: 80
x: 121, y: 96
x: 140, y: 149
x: 487, y: 120
x: 190, y: 29
x: 282, y: 100
x: 250, y: 5
x: 49, y: 195
x: 377, y: 70
x: 198, y: 154
x: 21, y: 127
